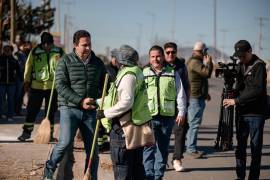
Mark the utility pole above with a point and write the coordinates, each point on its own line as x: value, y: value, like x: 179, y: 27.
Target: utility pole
x: 259, y: 46
x: 215, y: 29
x: 173, y: 20
x: 139, y: 37
x: 66, y: 33
x: 12, y: 24
x: 67, y: 27
x: 58, y: 17
x: 224, y: 31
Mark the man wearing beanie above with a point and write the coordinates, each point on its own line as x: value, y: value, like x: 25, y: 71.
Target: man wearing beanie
x: 126, y: 116
x: 251, y: 106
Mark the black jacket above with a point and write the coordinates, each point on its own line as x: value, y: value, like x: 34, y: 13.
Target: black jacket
x: 180, y: 67
x: 251, y: 86
x: 9, y: 70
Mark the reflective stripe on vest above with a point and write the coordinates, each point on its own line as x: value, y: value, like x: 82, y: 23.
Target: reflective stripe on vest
x: 140, y: 111
x: 45, y: 63
x: 161, y: 91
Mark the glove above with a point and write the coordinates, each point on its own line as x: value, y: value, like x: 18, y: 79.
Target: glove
x: 100, y: 114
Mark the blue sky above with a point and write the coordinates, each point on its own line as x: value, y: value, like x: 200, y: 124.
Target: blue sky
x: 137, y: 22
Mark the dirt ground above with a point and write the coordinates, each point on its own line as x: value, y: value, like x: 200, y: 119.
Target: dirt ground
x: 19, y: 165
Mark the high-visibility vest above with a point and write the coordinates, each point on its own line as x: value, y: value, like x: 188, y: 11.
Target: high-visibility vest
x: 140, y: 112
x: 44, y: 63
x: 161, y: 90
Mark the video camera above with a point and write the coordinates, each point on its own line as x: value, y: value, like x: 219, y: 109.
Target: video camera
x: 227, y: 71
x: 227, y: 115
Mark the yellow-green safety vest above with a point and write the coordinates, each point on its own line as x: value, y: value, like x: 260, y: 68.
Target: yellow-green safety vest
x: 139, y: 110
x: 161, y: 90
x: 44, y: 64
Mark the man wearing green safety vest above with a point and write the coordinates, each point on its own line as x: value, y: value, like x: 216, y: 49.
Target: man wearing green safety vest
x: 127, y: 116
x: 38, y: 79
x: 165, y: 92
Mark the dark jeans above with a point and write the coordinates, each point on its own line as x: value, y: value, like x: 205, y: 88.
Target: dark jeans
x: 253, y: 126
x: 36, y: 97
x: 180, y: 132
x: 8, y: 90
x: 19, y: 97
x: 127, y: 164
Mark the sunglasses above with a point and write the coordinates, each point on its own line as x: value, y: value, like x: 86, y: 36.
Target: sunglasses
x: 170, y: 52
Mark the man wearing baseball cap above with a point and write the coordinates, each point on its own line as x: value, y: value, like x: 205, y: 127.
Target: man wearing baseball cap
x: 251, y: 105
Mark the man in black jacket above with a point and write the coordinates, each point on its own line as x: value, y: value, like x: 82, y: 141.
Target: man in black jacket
x: 180, y: 127
x: 251, y: 104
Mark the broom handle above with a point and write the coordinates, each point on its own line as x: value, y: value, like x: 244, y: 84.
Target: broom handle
x: 50, y: 100
x: 98, y: 123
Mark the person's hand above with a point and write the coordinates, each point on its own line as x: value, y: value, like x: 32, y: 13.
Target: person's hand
x: 180, y: 120
x: 26, y: 86
x: 207, y: 58
x: 228, y: 102
x: 100, y: 114
x: 88, y: 103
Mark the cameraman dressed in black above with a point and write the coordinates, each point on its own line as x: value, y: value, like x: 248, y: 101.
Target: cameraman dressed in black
x: 251, y: 103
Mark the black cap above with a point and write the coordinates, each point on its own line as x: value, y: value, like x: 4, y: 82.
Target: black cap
x: 46, y: 38
x: 241, y: 47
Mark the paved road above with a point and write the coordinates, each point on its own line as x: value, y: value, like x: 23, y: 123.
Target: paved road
x: 25, y: 160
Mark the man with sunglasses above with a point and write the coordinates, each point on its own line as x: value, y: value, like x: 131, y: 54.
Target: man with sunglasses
x: 181, y: 125
x: 200, y: 67
x: 251, y: 105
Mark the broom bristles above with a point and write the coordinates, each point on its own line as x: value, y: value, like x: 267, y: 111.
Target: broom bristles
x: 44, y: 132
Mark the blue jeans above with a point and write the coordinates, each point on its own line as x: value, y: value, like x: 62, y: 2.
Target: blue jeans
x: 155, y: 157
x: 8, y: 90
x: 195, y: 114
x: 70, y: 120
x: 253, y: 126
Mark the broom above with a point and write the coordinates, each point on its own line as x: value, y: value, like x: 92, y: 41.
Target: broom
x: 87, y: 173
x: 44, y: 131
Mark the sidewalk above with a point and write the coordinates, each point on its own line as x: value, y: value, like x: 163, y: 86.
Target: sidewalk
x: 24, y: 161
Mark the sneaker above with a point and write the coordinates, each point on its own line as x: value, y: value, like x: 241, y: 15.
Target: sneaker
x: 48, y: 174
x: 196, y: 154
x: 24, y: 136
x: 177, y: 165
